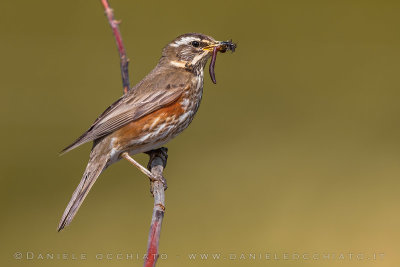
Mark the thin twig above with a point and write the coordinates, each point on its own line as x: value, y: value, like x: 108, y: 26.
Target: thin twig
x: 157, y: 163
x: 120, y: 45
x: 158, y: 157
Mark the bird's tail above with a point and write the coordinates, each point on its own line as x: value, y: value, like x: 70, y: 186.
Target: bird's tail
x: 97, y: 163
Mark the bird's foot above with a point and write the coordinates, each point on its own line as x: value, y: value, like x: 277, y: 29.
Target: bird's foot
x: 158, y: 159
x: 160, y: 153
x: 160, y: 179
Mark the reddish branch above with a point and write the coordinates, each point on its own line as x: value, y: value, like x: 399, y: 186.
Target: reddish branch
x: 121, y: 49
x: 157, y: 163
x: 158, y: 158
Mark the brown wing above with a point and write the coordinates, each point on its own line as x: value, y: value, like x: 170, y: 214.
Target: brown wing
x: 133, y: 106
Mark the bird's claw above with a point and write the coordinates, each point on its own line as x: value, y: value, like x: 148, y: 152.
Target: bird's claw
x: 157, y: 179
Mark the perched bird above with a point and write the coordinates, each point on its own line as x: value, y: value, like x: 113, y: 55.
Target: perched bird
x: 153, y: 112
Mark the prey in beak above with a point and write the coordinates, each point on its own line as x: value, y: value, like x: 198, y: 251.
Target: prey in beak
x: 215, y: 48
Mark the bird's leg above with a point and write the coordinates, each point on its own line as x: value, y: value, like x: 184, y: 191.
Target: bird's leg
x: 152, y: 177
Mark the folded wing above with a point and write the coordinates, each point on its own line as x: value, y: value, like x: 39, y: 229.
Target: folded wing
x: 125, y: 110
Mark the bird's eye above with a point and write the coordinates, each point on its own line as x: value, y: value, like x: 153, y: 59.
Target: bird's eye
x: 195, y: 44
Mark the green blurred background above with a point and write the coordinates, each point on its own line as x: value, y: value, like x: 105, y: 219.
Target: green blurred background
x: 295, y: 150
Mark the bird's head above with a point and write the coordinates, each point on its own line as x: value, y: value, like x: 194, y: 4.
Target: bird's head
x: 192, y: 50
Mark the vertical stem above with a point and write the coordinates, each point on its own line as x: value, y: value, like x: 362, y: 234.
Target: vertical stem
x: 157, y: 163
x: 158, y: 157
x: 154, y: 238
x: 124, y: 61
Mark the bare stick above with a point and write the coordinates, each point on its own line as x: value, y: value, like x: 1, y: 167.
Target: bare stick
x: 157, y: 163
x: 121, y: 49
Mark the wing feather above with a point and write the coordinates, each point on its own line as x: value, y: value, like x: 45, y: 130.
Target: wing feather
x: 125, y: 110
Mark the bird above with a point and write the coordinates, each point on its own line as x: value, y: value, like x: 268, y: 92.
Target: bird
x: 149, y: 115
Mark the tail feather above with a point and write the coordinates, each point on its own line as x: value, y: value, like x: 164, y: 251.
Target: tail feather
x: 96, y: 165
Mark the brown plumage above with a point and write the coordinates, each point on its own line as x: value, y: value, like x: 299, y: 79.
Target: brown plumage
x: 153, y: 112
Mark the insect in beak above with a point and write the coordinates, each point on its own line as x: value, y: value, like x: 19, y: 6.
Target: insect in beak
x: 218, y: 47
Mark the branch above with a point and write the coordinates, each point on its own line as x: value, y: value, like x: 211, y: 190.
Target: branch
x: 158, y: 157
x: 157, y: 163
x: 120, y: 45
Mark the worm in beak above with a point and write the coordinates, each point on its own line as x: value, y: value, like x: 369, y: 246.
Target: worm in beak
x: 221, y: 47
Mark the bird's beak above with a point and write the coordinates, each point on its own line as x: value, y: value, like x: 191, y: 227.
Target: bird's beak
x: 210, y: 47
x: 222, y: 46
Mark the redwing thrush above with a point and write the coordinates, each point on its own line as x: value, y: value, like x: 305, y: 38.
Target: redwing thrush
x: 153, y: 112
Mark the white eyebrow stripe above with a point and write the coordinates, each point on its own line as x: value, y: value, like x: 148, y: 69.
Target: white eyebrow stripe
x: 185, y: 40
